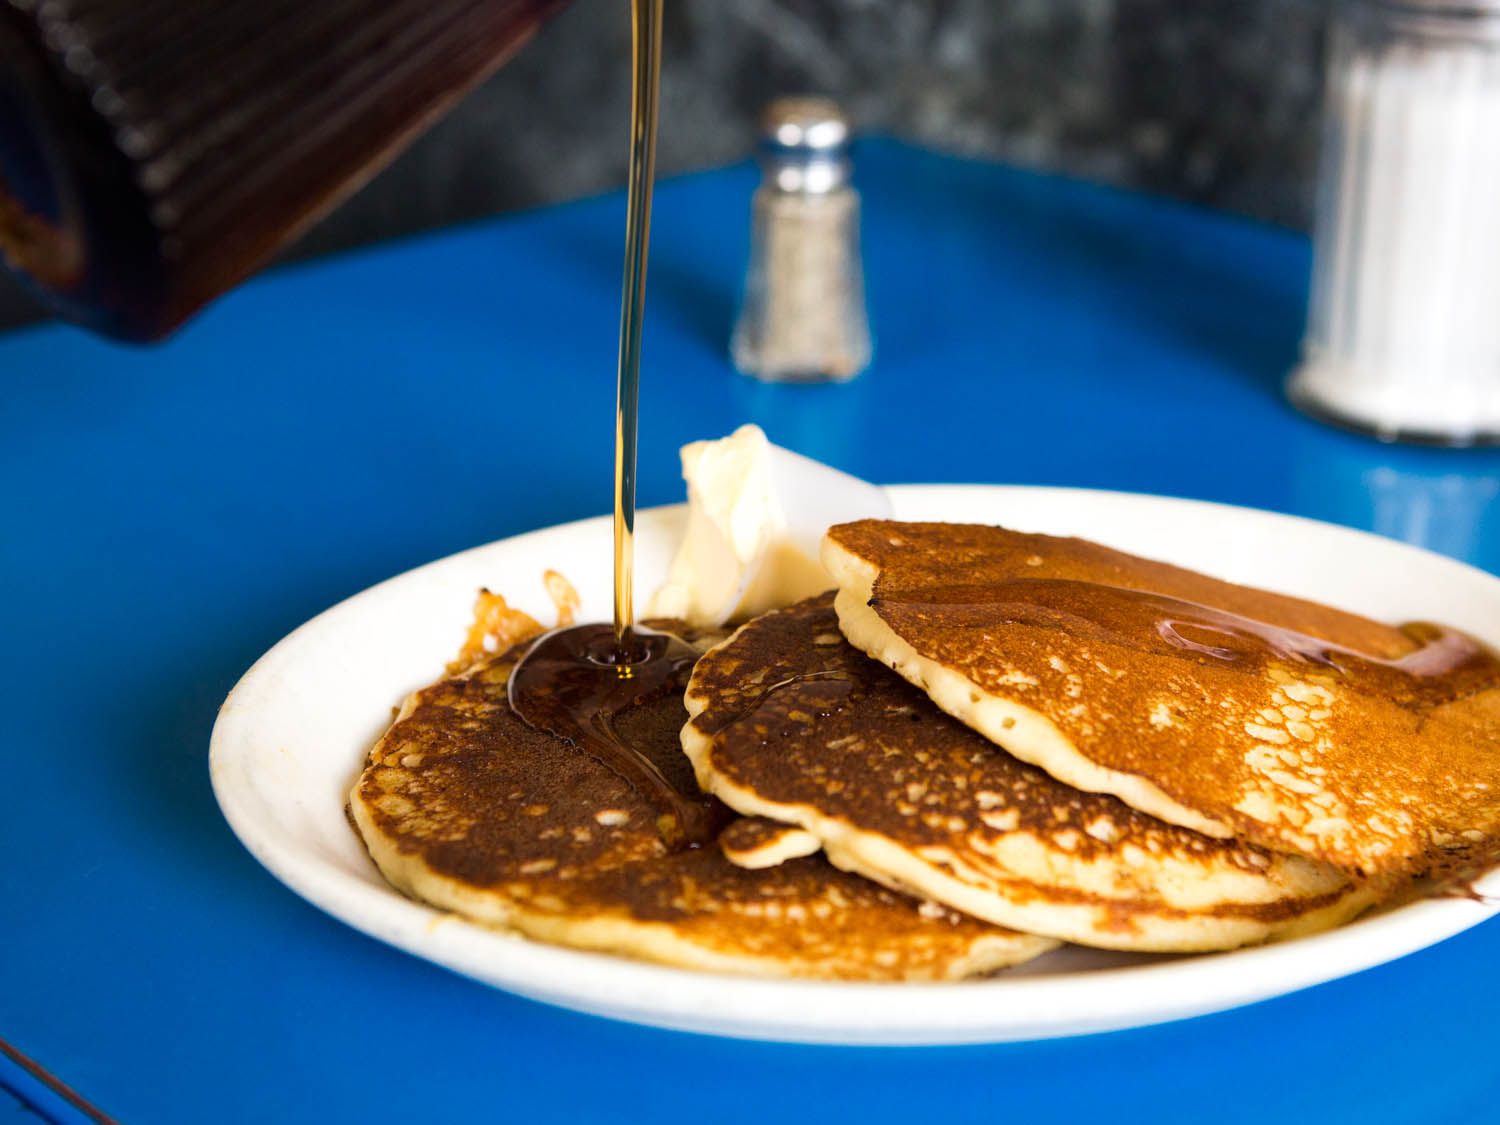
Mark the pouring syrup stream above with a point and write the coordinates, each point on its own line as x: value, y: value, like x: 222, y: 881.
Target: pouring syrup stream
x: 645, y: 34
x: 575, y: 683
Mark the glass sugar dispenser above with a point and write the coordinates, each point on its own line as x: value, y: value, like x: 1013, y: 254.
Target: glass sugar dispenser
x: 803, y: 316
x: 1403, y: 334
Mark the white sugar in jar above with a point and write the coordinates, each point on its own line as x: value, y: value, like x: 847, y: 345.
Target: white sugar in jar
x: 1403, y: 333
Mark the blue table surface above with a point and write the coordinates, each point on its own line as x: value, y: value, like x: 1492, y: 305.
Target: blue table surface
x: 171, y: 512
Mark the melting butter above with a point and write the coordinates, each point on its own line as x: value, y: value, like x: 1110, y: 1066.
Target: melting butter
x: 756, y: 516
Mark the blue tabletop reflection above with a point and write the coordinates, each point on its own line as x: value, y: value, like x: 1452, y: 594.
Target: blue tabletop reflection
x: 171, y: 512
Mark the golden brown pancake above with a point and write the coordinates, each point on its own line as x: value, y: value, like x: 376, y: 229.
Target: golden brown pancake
x: 464, y: 806
x: 1230, y: 710
x: 793, y: 723
x: 756, y: 842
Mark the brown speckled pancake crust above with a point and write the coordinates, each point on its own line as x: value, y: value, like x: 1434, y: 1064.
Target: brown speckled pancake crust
x: 466, y: 807
x: 757, y: 842
x: 1283, y: 752
x: 792, y: 722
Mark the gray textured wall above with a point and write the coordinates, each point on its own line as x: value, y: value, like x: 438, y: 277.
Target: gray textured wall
x: 1210, y: 100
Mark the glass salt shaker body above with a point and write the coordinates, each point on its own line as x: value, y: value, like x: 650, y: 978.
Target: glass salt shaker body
x: 803, y: 316
x: 1403, y: 334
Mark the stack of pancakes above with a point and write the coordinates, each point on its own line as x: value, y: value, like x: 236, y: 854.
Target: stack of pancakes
x: 988, y: 763
x: 465, y: 806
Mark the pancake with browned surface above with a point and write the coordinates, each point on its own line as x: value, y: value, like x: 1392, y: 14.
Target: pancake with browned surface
x: 1224, y: 708
x: 465, y: 806
x: 757, y: 842
x: 793, y: 723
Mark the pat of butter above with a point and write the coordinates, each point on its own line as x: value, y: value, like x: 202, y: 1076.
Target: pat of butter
x: 756, y: 515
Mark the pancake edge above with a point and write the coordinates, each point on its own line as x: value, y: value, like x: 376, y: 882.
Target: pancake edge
x: 1123, y: 926
x: 1039, y: 742
x: 617, y: 935
x: 792, y: 843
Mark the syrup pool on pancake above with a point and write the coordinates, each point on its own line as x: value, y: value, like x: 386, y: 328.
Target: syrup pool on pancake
x: 464, y: 805
x: 1230, y: 710
x: 792, y: 723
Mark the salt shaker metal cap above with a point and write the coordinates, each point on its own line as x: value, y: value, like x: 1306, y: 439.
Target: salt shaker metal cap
x: 803, y: 316
x: 808, y: 125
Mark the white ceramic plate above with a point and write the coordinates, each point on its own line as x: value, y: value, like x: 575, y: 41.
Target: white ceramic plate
x: 294, y: 733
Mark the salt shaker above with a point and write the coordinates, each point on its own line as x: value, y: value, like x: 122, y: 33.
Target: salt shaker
x: 803, y: 315
x: 1403, y: 335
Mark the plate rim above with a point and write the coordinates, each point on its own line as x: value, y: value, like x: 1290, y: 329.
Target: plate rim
x: 826, y: 1012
